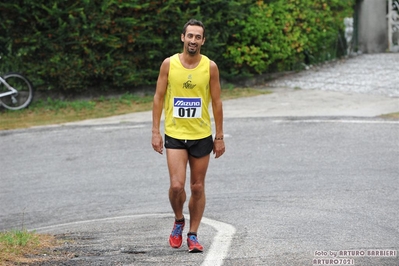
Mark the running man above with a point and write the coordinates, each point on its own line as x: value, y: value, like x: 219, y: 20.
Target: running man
x: 186, y: 84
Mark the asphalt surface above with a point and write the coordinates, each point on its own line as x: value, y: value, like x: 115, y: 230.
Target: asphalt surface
x: 335, y: 105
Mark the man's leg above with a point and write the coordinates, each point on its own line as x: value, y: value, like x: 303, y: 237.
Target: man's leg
x: 177, y: 165
x: 198, y: 169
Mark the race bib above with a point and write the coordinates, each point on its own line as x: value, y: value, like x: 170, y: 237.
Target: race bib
x: 187, y: 107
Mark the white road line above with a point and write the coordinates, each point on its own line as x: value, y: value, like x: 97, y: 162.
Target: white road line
x: 47, y: 228
x: 337, y: 121
x: 221, y: 242
x: 216, y: 253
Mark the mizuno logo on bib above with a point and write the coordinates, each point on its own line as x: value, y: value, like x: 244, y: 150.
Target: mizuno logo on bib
x: 187, y: 107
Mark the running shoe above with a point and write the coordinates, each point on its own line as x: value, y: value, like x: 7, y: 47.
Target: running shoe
x: 193, y: 245
x: 176, y: 238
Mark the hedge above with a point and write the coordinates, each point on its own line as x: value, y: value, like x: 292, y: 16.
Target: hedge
x: 83, y: 45
x: 281, y: 34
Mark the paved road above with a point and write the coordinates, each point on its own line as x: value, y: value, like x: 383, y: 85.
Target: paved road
x: 307, y: 172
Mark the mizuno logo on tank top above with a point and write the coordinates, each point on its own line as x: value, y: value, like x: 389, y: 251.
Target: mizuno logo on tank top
x: 187, y: 102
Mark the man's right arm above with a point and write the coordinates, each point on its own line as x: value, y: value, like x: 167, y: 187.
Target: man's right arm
x: 159, y: 96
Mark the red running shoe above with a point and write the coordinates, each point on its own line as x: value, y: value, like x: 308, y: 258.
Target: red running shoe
x: 193, y: 245
x: 175, y: 238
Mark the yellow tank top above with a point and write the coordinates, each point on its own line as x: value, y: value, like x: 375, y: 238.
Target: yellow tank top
x: 187, y: 100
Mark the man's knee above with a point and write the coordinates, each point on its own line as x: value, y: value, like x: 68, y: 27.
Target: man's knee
x: 197, y: 190
x: 176, y: 188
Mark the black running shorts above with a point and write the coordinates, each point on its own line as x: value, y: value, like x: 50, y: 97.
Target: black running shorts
x: 196, y: 148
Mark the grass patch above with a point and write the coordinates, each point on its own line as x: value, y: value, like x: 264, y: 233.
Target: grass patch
x: 53, y: 111
x: 21, y: 246
x: 394, y: 116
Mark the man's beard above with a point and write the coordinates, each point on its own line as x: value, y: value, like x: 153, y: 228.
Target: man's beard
x: 193, y: 51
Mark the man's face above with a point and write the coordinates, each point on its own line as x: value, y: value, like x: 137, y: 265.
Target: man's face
x: 193, y: 39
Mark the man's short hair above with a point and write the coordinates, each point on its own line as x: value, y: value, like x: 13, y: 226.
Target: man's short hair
x: 194, y: 22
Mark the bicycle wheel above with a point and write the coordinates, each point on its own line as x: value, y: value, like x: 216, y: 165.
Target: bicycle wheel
x: 24, y: 95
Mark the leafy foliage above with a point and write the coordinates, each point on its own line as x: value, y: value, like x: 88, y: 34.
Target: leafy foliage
x: 282, y: 33
x: 77, y: 45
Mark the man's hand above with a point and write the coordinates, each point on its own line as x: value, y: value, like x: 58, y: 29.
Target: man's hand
x: 218, y: 147
x: 157, y: 142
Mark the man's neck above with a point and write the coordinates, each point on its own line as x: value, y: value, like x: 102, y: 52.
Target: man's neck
x: 190, y: 61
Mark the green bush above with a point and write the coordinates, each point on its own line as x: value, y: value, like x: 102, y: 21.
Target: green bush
x: 282, y: 33
x: 74, y: 45
x: 84, y: 45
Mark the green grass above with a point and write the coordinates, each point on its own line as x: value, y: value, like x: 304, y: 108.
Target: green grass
x: 393, y: 116
x: 53, y: 111
x: 17, y: 238
x: 16, y: 244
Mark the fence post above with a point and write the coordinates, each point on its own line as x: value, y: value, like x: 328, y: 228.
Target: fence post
x: 393, y: 25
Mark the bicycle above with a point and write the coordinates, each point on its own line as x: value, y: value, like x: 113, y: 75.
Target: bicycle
x: 16, y: 91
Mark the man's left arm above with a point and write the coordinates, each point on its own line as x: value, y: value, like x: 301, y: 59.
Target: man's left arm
x: 217, y: 108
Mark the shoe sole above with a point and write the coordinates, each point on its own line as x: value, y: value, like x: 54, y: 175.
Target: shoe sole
x: 195, y: 250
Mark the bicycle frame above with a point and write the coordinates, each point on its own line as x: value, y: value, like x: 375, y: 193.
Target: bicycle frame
x: 12, y: 90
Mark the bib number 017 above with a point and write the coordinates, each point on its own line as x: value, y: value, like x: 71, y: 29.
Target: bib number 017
x: 187, y: 112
